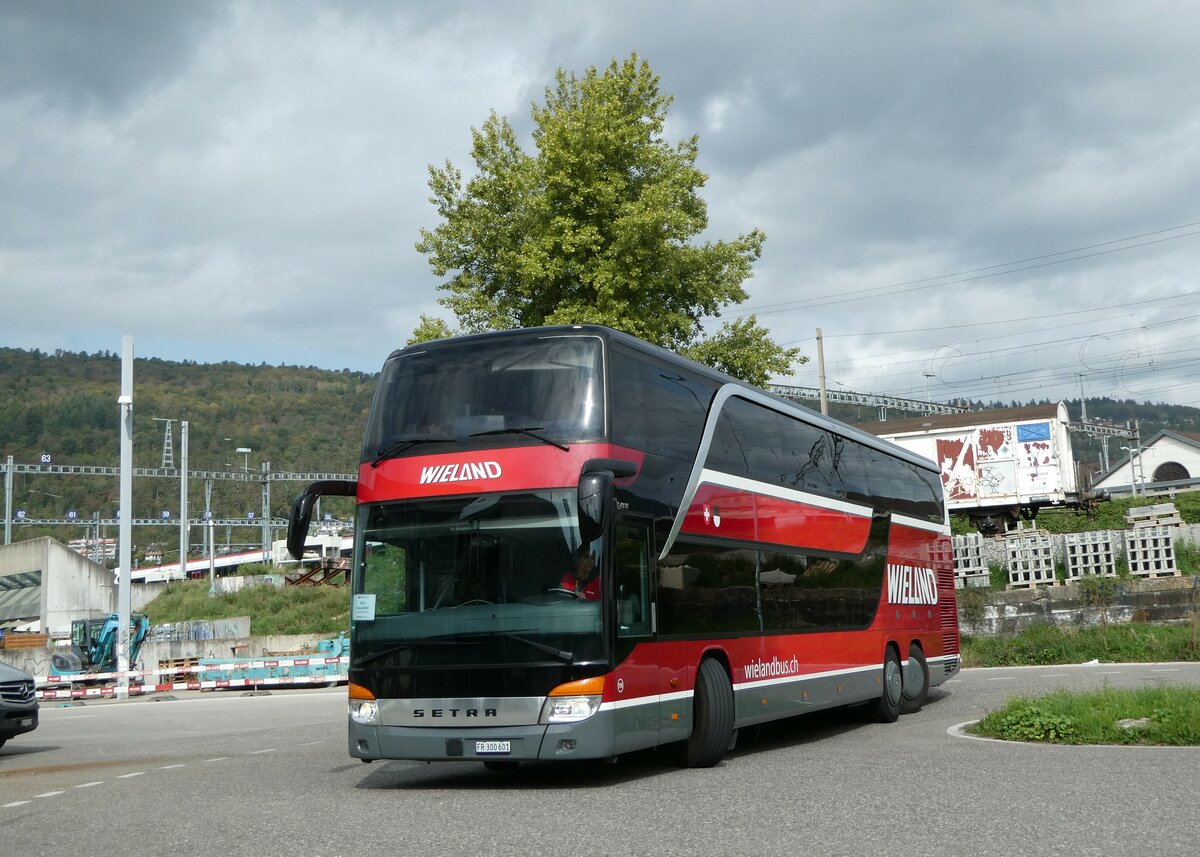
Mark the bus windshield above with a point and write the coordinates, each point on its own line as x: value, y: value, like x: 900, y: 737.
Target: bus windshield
x: 550, y: 388
x: 474, y: 581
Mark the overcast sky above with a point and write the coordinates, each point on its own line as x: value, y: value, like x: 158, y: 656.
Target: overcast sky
x: 998, y: 201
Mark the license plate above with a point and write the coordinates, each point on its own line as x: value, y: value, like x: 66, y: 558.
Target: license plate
x: 482, y: 747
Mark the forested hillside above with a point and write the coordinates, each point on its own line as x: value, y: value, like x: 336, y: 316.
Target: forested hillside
x: 65, y: 405
x: 297, y: 418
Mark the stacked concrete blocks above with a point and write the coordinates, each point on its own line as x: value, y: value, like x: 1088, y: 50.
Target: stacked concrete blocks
x: 1030, y: 558
x: 969, y: 566
x: 1091, y: 554
x: 1150, y: 552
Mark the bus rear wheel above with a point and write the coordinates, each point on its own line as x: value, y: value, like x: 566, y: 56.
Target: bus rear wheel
x: 887, y: 709
x: 916, y: 681
x: 712, y: 723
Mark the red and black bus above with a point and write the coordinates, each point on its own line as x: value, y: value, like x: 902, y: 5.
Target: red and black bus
x: 754, y: 560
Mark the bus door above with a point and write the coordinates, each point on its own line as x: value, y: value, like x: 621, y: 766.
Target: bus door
x: 636, y: 674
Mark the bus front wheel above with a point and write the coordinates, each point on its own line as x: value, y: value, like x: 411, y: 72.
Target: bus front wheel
x: 887, y: 709
x: 712, y: 723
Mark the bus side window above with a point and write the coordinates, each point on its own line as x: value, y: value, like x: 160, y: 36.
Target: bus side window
x: 632, y: 577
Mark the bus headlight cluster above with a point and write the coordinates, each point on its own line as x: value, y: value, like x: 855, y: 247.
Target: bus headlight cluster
x: 364, y: 711
x: 569, y: 709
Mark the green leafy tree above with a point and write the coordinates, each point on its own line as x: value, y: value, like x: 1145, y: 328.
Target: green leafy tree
x: 600, y: 226
x: 429, y: 329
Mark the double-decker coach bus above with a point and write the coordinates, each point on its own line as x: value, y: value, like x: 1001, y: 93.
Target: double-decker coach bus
x: 572, y: 544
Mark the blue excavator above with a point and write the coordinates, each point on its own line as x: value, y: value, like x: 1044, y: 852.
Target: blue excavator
x: 94, y: 646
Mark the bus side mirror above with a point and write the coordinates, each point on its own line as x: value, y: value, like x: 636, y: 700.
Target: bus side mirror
x: 595, y: 493
x: 594, y: 496
x: 301, y: 515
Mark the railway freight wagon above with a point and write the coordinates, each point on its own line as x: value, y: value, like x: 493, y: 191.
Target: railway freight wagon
x: 996, y: 465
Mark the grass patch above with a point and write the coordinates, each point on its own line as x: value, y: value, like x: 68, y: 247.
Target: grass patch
x: 1052, y: 644
x: 1110, y: 515
x: 1171, y: 717
x: 290, y: 610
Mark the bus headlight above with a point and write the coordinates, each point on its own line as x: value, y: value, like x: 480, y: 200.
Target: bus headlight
x: 365, y: 712
x: 569, y: 709
x: 573, y: 701
x: 363, y: 707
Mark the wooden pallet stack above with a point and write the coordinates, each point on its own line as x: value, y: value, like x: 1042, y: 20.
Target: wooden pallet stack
x: 24, y: 640
x: 177, y: 669
x: 1158, y: 515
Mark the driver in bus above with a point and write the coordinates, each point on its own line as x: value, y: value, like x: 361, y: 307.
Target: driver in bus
x: 582, y: 578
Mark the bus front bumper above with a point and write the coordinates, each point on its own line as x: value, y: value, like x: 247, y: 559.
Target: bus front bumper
x: 588, y: 739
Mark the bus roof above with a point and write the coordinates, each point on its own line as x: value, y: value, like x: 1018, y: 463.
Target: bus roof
x: 718, y: 378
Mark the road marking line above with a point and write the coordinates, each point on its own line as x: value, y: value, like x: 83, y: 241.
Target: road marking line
x: 218, y: 759
x: 1171, y: 670
x: 1112, y: 672
x: 268, y: 750
x: 15, y: 803
x: 1004, y: 678
x: 127, y: 776
x: 314, y: 743
x: 169, y: 767
x: 89, y: 785
x: 49, y: 794
x: 1053, y: 675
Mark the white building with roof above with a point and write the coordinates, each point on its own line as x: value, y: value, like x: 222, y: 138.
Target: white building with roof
x: 1167, y: 463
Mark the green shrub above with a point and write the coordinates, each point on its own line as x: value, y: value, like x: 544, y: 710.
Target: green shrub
x: 290, y: 610
x: 1171, y: 715
x: 970, y: 605
x: 1031, y: 722
x: 1045, y: 644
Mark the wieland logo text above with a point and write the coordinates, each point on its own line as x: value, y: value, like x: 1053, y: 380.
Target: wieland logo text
x: 911, y: 584
x: 466, y: 471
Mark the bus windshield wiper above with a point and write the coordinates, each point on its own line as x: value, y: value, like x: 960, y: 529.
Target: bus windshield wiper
x: 568, y: 657
x: 408, y: 645
x: 527, y: 430
x: 398, y: 446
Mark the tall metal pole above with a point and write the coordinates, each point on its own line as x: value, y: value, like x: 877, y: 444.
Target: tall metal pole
x: 821, y: 372
x: 212, y: 560
x: 184, y: 529
x: 126, y: 525
x: 208, y: 529
x: 266, y: 511
x: 8, y: 474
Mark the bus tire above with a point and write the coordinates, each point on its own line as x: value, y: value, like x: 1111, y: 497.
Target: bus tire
x: 916, y: 681
x: 887, y: 707
x: 712, y: 721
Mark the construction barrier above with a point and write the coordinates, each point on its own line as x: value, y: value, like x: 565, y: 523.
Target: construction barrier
x: 253, y: 673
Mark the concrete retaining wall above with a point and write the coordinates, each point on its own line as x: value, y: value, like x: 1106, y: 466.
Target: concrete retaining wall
x: 1167, y: 599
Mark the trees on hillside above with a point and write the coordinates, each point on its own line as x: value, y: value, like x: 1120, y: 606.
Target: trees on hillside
x: 600, y: 225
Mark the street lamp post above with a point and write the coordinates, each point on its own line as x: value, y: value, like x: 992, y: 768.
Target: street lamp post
x: 212, y: 560
x: 1134, y: 456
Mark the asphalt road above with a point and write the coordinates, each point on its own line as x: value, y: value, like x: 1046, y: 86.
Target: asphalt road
x: 232, y: 775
